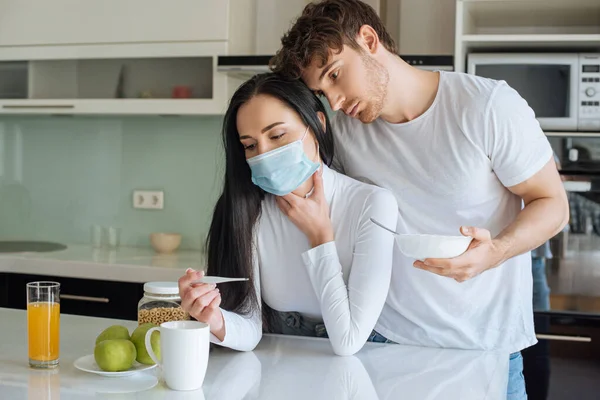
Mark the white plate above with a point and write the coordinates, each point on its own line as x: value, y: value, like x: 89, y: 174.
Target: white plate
x: 88, y: 364
x: 217, y: 279
x: 86, y: 383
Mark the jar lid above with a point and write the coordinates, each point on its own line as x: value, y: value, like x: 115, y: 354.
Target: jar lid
x: 168, y: 288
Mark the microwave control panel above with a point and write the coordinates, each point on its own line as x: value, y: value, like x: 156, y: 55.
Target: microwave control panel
x: 589, y: 92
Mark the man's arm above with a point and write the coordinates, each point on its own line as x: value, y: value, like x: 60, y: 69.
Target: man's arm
x: 545, y: 214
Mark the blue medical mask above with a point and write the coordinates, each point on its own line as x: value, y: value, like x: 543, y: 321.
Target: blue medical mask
x: 283, y: 170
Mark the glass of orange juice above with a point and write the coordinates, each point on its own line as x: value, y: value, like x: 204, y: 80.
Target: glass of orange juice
x: 43, y: 323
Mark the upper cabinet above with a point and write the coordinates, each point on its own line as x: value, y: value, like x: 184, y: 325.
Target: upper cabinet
x: 426, y: 27
x: 72, y: 22
x: 273, y: 18
x: 144, y: 83
x: 113, y: 57
x: 132, y: 57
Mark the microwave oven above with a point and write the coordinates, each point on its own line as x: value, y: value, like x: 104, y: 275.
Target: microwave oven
x: 563, y: 89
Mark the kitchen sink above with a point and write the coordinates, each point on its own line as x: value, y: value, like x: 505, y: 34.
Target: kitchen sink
x: 21, y: 246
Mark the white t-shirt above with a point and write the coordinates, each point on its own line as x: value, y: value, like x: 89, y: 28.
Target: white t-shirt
x: 344, y: 283
x: 449, y: 167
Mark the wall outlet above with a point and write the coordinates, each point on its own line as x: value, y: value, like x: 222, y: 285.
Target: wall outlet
x: 152, y: 200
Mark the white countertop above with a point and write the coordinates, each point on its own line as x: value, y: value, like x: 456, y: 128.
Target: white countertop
x: 126, y: 264
x: 280, y: 368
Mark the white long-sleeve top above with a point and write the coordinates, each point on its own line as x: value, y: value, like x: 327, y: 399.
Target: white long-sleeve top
x: 344, y: 282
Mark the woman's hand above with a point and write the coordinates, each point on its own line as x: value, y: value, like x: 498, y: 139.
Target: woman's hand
x: 202, y: 302
x: 310, y: 215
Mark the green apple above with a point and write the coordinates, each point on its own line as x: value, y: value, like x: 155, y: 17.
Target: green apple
x: 113, y: 332
x: 138, y: 337
x: 115, y: 355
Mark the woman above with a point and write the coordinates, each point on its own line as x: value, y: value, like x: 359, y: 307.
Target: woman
x: 300, y: 231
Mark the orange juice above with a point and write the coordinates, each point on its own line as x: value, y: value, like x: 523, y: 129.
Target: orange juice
x: 43, y: 330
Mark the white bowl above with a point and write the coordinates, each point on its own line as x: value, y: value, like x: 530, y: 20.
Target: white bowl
x: 420, y: 247
x: 165, y: 242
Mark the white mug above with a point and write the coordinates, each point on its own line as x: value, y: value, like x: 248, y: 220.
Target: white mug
x: 184, y: 349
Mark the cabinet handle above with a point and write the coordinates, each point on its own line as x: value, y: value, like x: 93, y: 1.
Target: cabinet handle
x: 564, y: 338
x: 34, y: 106
x: 84, y: 298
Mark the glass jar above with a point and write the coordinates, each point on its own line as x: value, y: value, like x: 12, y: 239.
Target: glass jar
x: 161, y: 303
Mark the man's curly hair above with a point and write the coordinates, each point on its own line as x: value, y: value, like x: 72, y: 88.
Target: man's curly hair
x: 322, y: 30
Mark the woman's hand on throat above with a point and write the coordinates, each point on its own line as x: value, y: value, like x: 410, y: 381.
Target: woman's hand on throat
x: 310, y: 215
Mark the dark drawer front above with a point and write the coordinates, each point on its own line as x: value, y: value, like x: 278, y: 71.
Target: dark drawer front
x: 570, y: 336
x: 566, y: 364
x: 3, y: 290
x: 89, y: 297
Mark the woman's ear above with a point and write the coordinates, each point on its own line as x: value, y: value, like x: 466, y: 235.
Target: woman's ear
x: 323, y: 120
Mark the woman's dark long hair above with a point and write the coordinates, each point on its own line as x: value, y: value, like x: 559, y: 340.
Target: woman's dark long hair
x: 230, y: 241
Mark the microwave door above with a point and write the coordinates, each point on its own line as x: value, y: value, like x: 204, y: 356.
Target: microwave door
x: 548, y: 82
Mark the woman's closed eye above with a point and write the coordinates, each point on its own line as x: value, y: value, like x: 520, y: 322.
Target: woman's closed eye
x: 252, y: 146
x: 278, y: 136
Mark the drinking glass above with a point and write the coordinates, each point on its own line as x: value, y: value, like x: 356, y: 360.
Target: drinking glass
x: 43, y: 323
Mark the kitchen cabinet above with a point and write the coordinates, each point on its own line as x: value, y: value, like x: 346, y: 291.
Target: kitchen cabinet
x: 564, y: 362
x: 76, y: 22
x: 145, y: 81
x: 275, y: 17
x: 426, y: 27
x: 89, y: 297
x: 113, y: 57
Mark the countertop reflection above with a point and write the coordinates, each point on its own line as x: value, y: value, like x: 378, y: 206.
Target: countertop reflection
x: 281, y: 367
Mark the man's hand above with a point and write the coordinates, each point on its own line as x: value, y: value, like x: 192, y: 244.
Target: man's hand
x: 482, y: 254
x: 310, y: 215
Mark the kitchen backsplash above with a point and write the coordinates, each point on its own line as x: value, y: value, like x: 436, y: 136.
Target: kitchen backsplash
x: 61, y: 175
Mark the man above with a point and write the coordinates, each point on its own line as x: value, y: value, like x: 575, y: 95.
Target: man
x: 459, y: 152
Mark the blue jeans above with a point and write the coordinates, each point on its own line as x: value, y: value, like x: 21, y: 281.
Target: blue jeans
x: 376, y: 337
x: 541, y: 291
x: 516, y: 381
